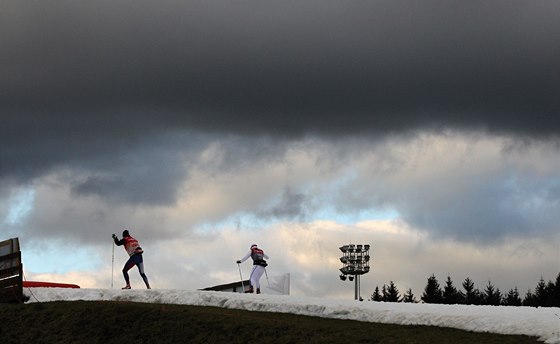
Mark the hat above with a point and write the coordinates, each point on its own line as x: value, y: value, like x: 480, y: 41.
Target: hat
x: 125, y: 233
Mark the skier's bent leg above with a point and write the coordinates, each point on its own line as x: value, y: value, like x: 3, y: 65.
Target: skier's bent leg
x: 142, y: 274
x: 129, y: 264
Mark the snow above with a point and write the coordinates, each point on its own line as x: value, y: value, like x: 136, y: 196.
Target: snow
x: 541, y: 322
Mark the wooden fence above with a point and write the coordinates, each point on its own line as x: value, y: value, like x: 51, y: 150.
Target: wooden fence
x: 11, y: 272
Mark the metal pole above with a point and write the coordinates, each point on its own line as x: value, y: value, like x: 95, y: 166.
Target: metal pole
x: 241, y: 276
x: 266, y: 274
x: 356, y: 279
x: 112, y: 263
x: 359, y: 289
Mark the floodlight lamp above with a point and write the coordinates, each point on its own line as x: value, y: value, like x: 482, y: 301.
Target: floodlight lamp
x: 351, y: 278
x: 343, y: 277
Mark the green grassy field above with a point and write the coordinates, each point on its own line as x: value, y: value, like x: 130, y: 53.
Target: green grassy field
x: 128, y: 322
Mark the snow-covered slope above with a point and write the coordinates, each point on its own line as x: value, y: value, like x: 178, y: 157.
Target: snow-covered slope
x: 541, y: 322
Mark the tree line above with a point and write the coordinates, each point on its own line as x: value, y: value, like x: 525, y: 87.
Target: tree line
x: 545, y: 294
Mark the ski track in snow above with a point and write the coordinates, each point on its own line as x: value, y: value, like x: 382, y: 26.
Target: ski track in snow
x: 541, y: 322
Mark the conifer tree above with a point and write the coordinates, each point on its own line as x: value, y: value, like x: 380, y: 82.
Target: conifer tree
x: 472, y: 295
x: 409, y: 297
x: 555, y: 294
x: 450, y: 294
x: 541, y: 293
x: 384, y: 293
x: 492, y: 296
x: 512, y: 298
x: 376, y: 296
x: 432, y: 291
x: 530, y: 299
x: 550, y: 287
x: 392, y: 293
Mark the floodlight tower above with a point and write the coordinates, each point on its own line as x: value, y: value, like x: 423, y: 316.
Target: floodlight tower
x: 355, y: 262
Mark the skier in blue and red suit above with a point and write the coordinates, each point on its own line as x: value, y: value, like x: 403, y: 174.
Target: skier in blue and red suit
x: 134, y: 250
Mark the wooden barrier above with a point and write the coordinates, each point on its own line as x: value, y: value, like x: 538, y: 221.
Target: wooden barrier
x: 11, y: 272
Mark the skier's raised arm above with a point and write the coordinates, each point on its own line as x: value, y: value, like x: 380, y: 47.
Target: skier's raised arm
x: 117, y: 241
x: 244, y: 258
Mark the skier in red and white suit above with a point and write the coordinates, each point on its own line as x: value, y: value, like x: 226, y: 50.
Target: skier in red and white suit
x: 259, y: 265
x: 134, y: 250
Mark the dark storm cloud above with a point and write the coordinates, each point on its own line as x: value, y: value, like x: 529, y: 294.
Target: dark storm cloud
x: 286, y: 68
x: 86, y: 81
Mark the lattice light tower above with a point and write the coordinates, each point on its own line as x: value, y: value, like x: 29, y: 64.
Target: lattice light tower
x: 355, y: 262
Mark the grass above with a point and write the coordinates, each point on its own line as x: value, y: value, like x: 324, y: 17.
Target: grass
x: 127, y: 322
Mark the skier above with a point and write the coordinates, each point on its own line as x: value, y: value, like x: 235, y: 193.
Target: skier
x: 259, y: 265
x: 135, y: 252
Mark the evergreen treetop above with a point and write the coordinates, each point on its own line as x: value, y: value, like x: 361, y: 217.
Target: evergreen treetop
x: 450, y: 295
x: 432, y: 291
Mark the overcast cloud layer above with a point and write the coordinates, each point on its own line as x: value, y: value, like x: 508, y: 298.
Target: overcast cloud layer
x: 202, y: 120
x: 83, y: 78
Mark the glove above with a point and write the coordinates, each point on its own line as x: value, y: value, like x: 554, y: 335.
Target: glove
x: 114, y: 236
x: 238, y: 262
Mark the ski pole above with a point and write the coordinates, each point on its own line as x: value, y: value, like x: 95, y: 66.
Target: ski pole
x: 112, y: 264
x: 241, y: 276
x: 266, y: 274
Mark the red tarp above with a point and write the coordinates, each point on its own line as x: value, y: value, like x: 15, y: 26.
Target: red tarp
x: 31, y: 284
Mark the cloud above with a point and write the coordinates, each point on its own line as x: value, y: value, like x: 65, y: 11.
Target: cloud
x: 470, y: 188
x: 252, y: 68
x: 120, y: 96
x: 291, y: 205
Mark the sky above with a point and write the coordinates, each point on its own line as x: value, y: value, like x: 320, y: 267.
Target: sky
x: 429, y: 130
